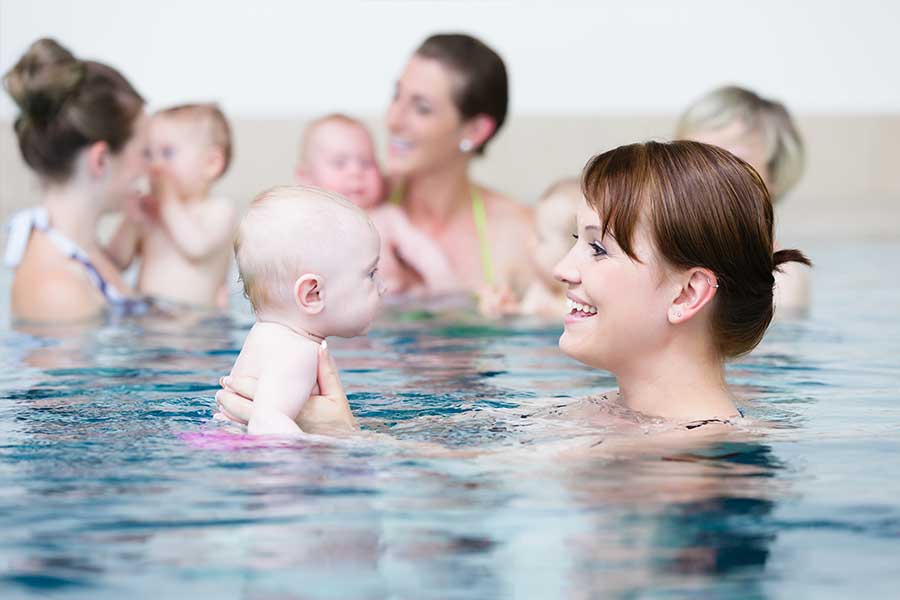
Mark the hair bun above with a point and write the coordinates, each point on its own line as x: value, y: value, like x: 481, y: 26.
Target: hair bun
x: 786, y: 256
x: 43, y: 79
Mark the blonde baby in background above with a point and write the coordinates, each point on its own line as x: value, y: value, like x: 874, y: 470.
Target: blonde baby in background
x: 182, y: 233
x: 337, y: 154
x: 554, y: 225
x: 308, y: 260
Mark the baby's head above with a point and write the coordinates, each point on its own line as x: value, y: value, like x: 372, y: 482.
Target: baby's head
x: 192, y: 142
x: 337, y: 154
x: 554, y: 217
x: 311, y: 257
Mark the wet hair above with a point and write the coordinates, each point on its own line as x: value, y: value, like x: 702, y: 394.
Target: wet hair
x: 67, y: 104
x: 702, y: 207
x: 785, y: 156
x: 483, y: 86
x: 212, y: 119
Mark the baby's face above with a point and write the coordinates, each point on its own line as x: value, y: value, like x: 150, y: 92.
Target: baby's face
x: 183, y: 150
x: 353, y: 290
x: 342, y: 160
x: 554, y: 226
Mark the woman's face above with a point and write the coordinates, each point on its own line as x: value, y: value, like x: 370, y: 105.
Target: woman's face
x: 618, y: 306
x: 129, y: 167
x: 424, y: 125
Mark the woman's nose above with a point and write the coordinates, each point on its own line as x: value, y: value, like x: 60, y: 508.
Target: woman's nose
x: 566, y: 271
x: 394, y: 115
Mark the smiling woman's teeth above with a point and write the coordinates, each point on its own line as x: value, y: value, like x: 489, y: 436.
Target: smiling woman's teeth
x: 582, y: 308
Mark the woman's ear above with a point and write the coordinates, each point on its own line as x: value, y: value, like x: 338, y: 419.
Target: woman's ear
x: 698, y: 288
x: 477, y: 130
x: 309, y: 294
x: 97, y: 159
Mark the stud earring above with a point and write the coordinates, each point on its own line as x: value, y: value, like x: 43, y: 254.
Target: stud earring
x: 711, y: 283
x: 466, y: 145
x: 677, y: 314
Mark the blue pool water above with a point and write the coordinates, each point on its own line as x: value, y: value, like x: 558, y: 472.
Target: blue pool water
x: 114, y: 482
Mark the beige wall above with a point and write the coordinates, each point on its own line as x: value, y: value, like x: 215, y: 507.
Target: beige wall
x: 851, y: 187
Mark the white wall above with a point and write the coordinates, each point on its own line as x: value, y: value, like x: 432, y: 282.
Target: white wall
x: 277, y: 58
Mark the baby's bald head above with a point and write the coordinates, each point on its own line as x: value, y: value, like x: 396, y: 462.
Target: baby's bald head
x: 289, y: 231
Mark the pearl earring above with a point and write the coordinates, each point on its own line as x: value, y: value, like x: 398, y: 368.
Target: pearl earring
x: 466, y: 145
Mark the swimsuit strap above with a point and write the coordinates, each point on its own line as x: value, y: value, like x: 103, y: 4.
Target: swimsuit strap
x: 484, y: 244
x: 479, y: 214
x: 20, y: 226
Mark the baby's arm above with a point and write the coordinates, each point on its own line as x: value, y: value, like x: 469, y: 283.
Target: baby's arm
x: 285, y: 383
x: 196, y: 238
x: 124, y: 244
x: 418, y: 251
x: 126, y: 241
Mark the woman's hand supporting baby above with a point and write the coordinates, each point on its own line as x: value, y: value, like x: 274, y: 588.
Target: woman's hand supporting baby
x: 327, y: 413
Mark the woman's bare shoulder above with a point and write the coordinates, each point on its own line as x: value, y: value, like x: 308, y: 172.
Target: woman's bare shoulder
x: 500, y: 206
x: 55, y: 293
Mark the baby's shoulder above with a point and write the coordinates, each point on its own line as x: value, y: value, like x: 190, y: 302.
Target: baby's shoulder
x: 277, y: 344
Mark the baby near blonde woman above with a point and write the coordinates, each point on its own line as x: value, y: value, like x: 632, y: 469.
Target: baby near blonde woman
x: 337, y: 154
x: 308, y: 260
x: 554, y: 225
x: 182, y: 233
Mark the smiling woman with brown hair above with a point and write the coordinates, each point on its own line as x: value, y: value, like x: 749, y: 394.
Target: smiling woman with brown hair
x: 671, y: 275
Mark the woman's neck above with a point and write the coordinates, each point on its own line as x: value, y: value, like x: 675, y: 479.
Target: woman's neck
x: 74, y: 213
x: 437, y: 195
x: 678, y: 386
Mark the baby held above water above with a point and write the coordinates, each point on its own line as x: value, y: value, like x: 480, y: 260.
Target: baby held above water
x: 308, y: 260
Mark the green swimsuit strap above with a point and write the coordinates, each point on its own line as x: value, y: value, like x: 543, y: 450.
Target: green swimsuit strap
x: 479, y: 213
x: 484, y: 243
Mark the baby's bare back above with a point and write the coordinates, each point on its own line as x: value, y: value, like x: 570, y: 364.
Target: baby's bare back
x: 285, y: 365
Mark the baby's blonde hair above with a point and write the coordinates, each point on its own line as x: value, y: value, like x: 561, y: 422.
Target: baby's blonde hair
x: 785, y: 156
x: 286, y: 232
x: 213, y: 120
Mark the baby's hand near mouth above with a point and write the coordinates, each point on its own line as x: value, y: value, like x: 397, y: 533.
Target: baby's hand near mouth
x: 163, y: 188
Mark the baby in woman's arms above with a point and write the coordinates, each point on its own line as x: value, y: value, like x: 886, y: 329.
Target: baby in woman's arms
x: 308, y: 260
x: 183, y: 232
x: 337, y: 154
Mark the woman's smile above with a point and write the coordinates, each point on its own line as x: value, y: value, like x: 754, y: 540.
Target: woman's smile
x: 578, y: 309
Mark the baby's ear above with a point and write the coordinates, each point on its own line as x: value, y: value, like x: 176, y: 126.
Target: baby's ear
x: 215, y: 164
x: 309, y: 294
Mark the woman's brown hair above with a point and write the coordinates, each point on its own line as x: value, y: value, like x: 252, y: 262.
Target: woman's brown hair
x: 702, y: 207
x: 483, y: 88
x: 66, y: 104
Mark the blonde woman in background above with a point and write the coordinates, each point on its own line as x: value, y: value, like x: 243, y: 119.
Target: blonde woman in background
x: 761, y: 132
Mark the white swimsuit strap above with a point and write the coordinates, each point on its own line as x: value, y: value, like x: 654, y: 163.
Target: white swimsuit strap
x: 19, y: 231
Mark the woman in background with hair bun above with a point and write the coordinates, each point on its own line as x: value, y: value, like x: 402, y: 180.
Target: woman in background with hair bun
x: 81, y: 129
